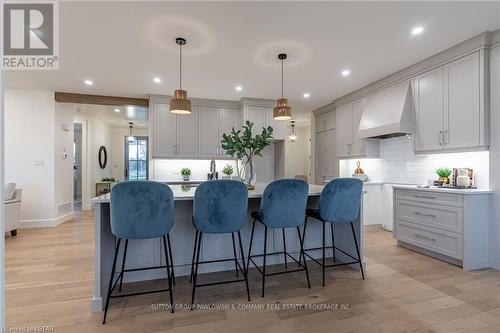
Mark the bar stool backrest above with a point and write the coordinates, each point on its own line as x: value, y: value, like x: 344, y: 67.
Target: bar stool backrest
x: 284, y: 203
x: 220, y: 206
x: 141, y: 210
x: 340, y: 200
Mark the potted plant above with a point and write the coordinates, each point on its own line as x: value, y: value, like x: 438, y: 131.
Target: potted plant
x: 243, y: 146
x: 228, y: 171
x: 444, y: 174
x: 185, y: 172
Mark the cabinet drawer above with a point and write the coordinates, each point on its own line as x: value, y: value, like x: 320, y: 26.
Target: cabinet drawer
x: 439, y: 241
x: 438, y: 198
x: 436, y: 216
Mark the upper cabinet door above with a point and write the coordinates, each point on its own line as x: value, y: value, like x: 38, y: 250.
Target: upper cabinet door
x: 344, y: 128
x: 358, y: 145
x: 163, y: 124
x: 462, y: 103
x: 256, y: 115
x: 429, y: 110
x: 228, y: 118
x: 277, y: 125
x: 187, y: 134
x: 209, y: 131
x: 325, y: 121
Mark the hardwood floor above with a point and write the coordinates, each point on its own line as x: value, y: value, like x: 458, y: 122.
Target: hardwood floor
x: 49, y: 281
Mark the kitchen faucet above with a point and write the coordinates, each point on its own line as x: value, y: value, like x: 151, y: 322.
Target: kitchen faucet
x: 212, y: 174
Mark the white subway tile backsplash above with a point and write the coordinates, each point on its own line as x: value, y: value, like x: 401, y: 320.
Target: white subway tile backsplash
x: 170, y: 170
x: 398, y: 163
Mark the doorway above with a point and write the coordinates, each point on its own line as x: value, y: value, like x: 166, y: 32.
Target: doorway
x: 136, y: 158
x: 77, y: 166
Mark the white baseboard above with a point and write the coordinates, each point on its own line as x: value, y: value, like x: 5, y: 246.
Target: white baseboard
x: 44, y: 223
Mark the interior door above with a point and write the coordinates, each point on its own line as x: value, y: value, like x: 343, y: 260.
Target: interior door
x: 136, y: 158
x: 209, y: 131
x: 343, y: 135
x: 461, y: 103
x: 429, y: 110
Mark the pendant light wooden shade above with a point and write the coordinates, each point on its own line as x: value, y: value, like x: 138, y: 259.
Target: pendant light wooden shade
x: 180, y: 104
x: 282, y: 111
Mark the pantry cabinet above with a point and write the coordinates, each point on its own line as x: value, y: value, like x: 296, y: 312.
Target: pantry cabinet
x: 173, y: 135
x: 325, y: 121
x: 326, y: 157
x: 449, y: 114
x: 348, y: 144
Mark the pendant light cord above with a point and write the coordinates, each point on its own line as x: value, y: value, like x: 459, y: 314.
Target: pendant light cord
x: 281, y: 78
x: 180, y: 67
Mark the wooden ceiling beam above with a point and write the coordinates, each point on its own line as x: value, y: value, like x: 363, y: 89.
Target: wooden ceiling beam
x: 63, y: 97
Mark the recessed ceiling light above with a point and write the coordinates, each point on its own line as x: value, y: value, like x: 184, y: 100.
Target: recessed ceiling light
x: 417, y: 30
x: 306, y: 95
x: 88, y: 82
x: 238, y: 88
x: 157, y: 80
x: 346, y: 72
x: 117, y: 110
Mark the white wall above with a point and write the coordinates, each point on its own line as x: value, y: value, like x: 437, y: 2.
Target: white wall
x: 29, y: 139
x: 494, y: 240
x: 399, y: 164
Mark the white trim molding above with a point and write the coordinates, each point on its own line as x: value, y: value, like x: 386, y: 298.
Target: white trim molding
x: 44, y: 223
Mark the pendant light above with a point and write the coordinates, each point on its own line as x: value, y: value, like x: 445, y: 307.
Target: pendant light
x: 131, y: 137
x: 293, y: 136
x: 282, y: 111
x: 179, y: 104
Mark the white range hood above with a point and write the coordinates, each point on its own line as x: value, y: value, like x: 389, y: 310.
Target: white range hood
x: 387, y: 113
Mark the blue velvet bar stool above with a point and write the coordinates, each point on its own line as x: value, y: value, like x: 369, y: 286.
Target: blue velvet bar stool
x: 339, y: 204
x: 283, y: 205
x: 140, y: 210
x: 220, y: 207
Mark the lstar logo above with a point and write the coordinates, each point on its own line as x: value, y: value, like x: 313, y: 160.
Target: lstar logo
x: 30, y: 36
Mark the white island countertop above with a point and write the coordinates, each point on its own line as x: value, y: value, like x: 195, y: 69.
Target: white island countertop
x: 443, y: 189
x: 186, y: 192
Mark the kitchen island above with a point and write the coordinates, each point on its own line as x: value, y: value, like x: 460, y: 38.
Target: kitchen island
x: 147, y: 253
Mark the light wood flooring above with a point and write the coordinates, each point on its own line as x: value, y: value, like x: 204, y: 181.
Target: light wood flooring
x: 49, y: 282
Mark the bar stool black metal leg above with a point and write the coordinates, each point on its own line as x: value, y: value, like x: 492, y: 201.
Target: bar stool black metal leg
x: 323, y: 251
x: 123, y: 264
x: 245, y: 271
x: 171, y: 258
x: 194, y: 256
x: 284, y: 248
x: 302, y: 252
x: 301, y: 241
x: 195, y: 275
x: 235, y: 256
x: 264, y: 262
x: 333, y: 242
x: 169, y: 277
x: 357, y: 250
x: 111, y: 278
x: 250, y: 247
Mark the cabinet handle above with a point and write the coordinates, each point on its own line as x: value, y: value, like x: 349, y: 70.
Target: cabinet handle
x: 422, y: 214
x: 424, y: 197
x: 425, y: 237
x: 440, y: 137
x: 445, y: 137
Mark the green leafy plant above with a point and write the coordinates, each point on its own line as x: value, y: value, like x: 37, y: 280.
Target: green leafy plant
x: 185, y: 172
x: 443, y: 172
x: 108, y: 179
x: 228, y: 170
x: 242, y: 145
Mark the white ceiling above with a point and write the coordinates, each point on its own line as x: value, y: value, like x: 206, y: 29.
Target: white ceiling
x: 122, y: 46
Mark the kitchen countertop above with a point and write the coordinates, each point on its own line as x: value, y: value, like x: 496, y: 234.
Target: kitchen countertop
x: 444, y: 190
x: 187, y: 192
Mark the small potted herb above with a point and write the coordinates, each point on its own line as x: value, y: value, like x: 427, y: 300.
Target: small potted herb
x: 186, y: 173
x: 228, y: 171
x: 444, y: 174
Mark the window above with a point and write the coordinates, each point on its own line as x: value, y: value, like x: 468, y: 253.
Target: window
x: 136, y: 158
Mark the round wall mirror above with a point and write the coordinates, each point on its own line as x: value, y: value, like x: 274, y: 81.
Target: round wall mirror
x: 103, y: 157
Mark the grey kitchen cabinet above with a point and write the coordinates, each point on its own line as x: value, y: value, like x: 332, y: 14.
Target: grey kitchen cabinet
x: 263, y: 117
x: 449, y: 107
x: 173, y: 136
x: 325, y: 121
x: 213, y: 123
x: 326, y: 156
x: 347, y: 121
